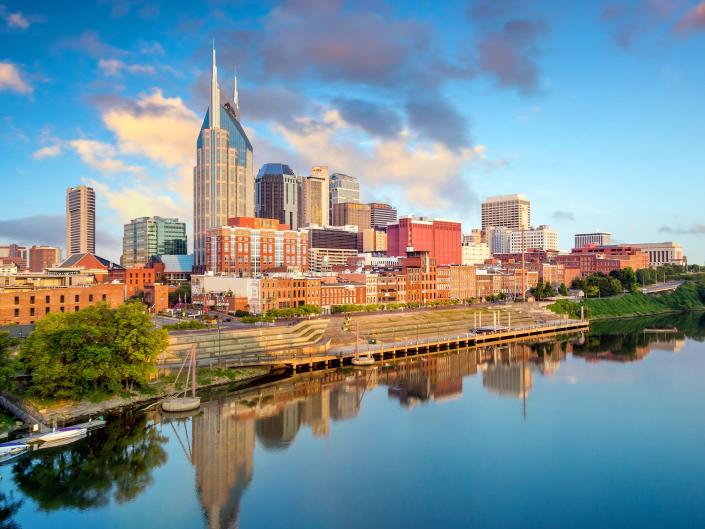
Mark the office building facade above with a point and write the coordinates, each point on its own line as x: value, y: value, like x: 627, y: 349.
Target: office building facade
x: 599, y: 238
x: 146, y: 237
x: 43, y: 257
x: 223, y: 178
x: 342, y: 188
x: 440, y: 238
x: 277, y: 194
x: 80, y: 220
x: 314, y: 197
x: 382, y: 215
x: 351, y: 214
x: 507, y: 211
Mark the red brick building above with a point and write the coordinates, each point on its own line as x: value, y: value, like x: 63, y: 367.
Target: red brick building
x: 440, y: 238
x: 343, y: 294
x: 25, y: 306
x: 43, y: 257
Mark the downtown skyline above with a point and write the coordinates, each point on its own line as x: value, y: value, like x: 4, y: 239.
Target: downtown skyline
x: 600, y: 132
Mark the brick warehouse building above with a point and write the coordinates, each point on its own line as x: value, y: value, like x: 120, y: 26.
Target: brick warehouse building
x: 25, y: 306
x: 440, y: 238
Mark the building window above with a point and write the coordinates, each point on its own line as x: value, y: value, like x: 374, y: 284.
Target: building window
x: 76, y: 298
x: 62, y: 309
x: 61, y: 298
x: 104, y: 297
x: 17, y: 313
x: 76, y: 308
x: 90, y: 298
x: 17, y: 300
x: 31, y: 311
x: 46, y: 310
x: 31, y: 300
x: 47, y: 299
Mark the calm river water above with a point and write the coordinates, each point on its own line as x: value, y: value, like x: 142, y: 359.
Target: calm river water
x: 604, y: 430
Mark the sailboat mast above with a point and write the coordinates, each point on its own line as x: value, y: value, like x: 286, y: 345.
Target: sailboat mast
x: 193, y: 367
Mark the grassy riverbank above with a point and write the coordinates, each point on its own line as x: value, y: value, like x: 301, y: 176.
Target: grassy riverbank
x: 689, y: 296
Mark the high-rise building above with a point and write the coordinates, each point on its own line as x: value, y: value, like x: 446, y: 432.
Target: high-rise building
x: 223, y: 178
x: 147, y: 237
x: 80, y: 220
x: 332, y: 238
x: 600, y: 238
x: 343, y: 188
x: 382, y: 214
x: 474, y: 253
x: 351, y: 214
x: 507, y: 211
x: 440, y: 238
x: 278, y: 194
x: 314, y: 197
x: 499, y: 239
x: 42, y: 257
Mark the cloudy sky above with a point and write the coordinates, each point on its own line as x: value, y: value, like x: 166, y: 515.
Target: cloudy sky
x: 595, y: 110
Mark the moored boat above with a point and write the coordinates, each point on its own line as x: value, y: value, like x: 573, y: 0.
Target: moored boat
x: 176, y: 403
x: 61, y: 433
x: 12, y: 448
x: 363, y: 360
x: 179, y: 404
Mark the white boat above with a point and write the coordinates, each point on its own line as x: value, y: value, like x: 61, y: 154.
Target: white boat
x: 61, y: 433
x: 60, y: 442
x: 185, y: 403
x: 12, y: 448
x: 363, y: 360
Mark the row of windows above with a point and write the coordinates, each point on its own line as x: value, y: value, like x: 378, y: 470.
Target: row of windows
x: 62, y: 298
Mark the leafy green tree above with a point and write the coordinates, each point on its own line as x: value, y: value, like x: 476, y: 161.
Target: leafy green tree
x: 8, y: 366
x: 183, y: 292
x: 97, y: 349
x: 563, y: 290
x: 627, y: 277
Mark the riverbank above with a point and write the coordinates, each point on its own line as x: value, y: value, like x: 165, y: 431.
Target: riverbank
x: 688, y: 297
x: 66, y: 412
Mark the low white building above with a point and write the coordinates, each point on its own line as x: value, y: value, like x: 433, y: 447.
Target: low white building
x: 542, y: 238
x: 474, y: 253
x: 661, y: 253
x: 241, y: 287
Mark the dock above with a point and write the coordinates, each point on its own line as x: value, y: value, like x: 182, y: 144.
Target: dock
x: 306, y: 359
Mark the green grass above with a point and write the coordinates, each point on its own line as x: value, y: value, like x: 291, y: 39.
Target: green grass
x: 186, y: 326
x: 6, y: 422
x: 688, y: 296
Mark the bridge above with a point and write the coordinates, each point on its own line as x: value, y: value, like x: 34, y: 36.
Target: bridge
x: 658, y: 288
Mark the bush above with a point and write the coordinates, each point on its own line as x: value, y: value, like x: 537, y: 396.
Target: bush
x: 241, y: 313
x: 185, y: 325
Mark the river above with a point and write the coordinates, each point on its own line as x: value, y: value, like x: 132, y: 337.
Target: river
x: 602, y: 430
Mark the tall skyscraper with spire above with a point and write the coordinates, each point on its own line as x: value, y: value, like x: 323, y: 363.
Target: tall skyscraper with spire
x: 223, y: 178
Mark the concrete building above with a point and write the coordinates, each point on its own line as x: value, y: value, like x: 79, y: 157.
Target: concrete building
x: 342, y: 188
x: 14, y: 253
x: 541, y: 238
x: 382, y: 215
x: 499, y: 239
x: 473, y: 253
x: 250, y: 246
x: 372, y: 241
x: 314, y: 197
x: 663, y: 253
x: 508, y: 211
x: 43, y: 257
x: 172, y: 269
x: 341, y: 237
x: 440, y: 238
x: 351, y: 214
x: 599, y: 238
x: 80, y: 220
x: 223, y: 177
x: 277, y: 194
x: 145, y: 237
x: 322, y: 260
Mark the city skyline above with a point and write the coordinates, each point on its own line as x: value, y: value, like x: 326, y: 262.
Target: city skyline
x: 526, y: 114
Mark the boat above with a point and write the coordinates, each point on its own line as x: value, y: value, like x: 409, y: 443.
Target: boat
x: 179, y: 404
x: 363, y: 360
x: 69, y: 432
x: 53, y: 443
x: 12, y: 448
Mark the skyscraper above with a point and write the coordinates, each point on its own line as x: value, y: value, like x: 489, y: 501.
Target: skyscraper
x: 343, y: 188
x: 314, y: 196
x: 506, y: 211
x: 278, y: 194
x: 146, y: 237
x: 350, y: 213
x: 80, y: 220
x: 223, y: 178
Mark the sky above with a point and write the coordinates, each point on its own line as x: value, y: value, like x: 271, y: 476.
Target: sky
x: 594, y: 110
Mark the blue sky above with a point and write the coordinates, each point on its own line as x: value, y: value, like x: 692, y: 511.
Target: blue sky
x: 592, y: 109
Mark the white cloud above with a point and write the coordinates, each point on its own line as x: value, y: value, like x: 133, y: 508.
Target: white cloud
x: 111, y: 67
x: 47, y: 152
x: 103, y: 157
x: 11, y: 79
x: 17, y: 20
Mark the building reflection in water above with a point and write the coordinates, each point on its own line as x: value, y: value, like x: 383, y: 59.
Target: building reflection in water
x: 225, y: 430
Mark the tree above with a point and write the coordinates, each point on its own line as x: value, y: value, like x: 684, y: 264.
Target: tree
x: 182, y: 292
x: 97, y: 349
x: 627, y: 277
x: 8, y: 366
x: 563, y: 290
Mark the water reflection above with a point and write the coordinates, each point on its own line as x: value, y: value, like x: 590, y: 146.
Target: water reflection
x: 117, y: 464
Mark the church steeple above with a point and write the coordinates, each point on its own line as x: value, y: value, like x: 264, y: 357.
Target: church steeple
x: 214, y: 110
